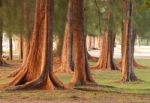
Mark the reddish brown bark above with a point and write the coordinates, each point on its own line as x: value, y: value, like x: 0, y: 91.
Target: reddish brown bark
x: 81, y: 71
x: 26, y: 49
x: 127, y: 59
x: 1, y: 47
x: 36, y: 72
x: 10, y: 48
x: 67, y: 53
x: 106, y: 53
x: 2, y: 62
x: 124, y: 31
x: 21, y: 47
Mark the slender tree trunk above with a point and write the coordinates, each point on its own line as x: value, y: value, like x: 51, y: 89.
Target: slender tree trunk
x: 36, y: 72
x: 1, y: 36
x: 128, y: 55
x: 10, y: 48
x: 27, y: 36
x: 1, y: 47
x: 106, y: 54
x: 81, y: 71
x: 124, y: 31
x: 67, y: 51
x: 21, y: 47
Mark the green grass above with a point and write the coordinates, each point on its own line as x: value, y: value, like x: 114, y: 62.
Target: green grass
x: 111, y: 78
x: 109, y: 87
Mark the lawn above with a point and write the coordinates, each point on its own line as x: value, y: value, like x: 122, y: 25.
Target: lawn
x: 110, y: 90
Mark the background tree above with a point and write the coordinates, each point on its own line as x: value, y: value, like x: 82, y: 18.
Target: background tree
x: 106, y: 52
x: 81, y: 71
x: 67, y: 51
x: 128, y: 55
x: 1, y: 35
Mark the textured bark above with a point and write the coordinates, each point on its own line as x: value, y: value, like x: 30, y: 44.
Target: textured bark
x: 67, y: 51
x: 10, y: 48
x: 1, y: 47
x: 26, y: 49
x: 124, y: 31
x: 106, y: 53
x: 1, y: 36
x: 81, y: 71
x: 21, y: 47
x: 128, y: 55
x: 2, y: 62
x: 36, y: 72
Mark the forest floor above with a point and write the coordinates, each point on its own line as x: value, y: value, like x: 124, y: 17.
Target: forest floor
x: 108, y: 91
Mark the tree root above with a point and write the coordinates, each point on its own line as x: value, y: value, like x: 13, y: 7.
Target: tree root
x: 135, y: 64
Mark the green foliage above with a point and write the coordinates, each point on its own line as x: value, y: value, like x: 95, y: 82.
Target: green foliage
x: 60, y: 17
x: 14, y: 13
x: 141, y: 18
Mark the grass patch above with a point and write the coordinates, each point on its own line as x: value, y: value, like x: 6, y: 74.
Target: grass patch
x: 108, y: 90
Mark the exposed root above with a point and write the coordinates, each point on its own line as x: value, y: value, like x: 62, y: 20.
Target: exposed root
x: 130, y: 78
x: 135, y: 64
x: 14, y: 73
x: 48, y: 83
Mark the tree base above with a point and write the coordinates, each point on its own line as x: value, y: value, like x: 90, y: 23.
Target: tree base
x: 105, y: 67
x: 135, y: 64
x: 126, y: 79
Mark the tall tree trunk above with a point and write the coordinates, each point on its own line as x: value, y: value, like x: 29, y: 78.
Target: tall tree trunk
x: 10, y: 48
x: 1, y: 35
x: 21, y: 47
x: 124, y: 31
x: 26, y: 38
x: 1, y: 46
x: 106, y: 53
x: 67, y: 51
x: 128, y: 55
x: 36, y: 72
x: 81, y: 71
